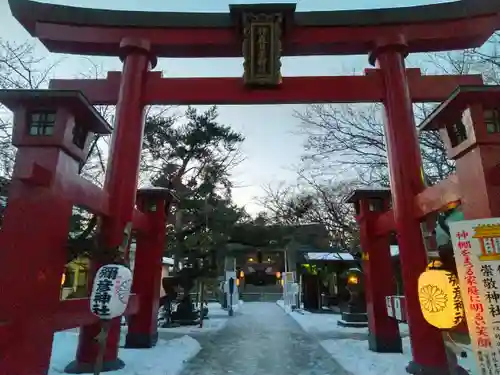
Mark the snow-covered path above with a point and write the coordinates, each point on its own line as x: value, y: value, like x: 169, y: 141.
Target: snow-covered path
x: 261, y: 339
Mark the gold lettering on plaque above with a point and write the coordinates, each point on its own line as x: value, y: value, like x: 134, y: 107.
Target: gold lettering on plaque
x: 262, y: 49
x: 262, y: 42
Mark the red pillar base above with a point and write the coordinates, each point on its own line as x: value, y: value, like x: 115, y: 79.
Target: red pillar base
x: 136, y: 340
x: 417, y: 369
x: 88, y: 348
x: 383, y: 344
x: 26, y: 348
x: 76, y: 367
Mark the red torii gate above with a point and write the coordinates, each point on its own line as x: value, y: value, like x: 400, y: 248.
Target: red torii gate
x: 385, y: 35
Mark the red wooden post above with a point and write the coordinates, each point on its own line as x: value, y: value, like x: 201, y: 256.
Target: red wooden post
x: 121, y: 185
x: 143, y: 327
x: 31, y: 266
x: 35, y: 228
x: 406, y: 182
x: 378, y: 270
x: 478, y: 159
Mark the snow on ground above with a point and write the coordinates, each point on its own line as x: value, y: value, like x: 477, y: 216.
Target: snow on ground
x: 166, y: 358
x: 353, y: 354
x: 326, y: 323
x: 218, y: 318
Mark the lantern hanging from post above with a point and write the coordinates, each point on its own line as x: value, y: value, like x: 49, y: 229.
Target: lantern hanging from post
x: 111, y: 291
x: 440, y: 299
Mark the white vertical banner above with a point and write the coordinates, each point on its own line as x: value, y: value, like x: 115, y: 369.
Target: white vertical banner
x: 397, y: 308
x: 388, y: 303
x: 477, y: 254
x: 288, y: 295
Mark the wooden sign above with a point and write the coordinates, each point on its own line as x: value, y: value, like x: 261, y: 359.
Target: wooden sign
x: 477, y: 254
x: 262, y: 48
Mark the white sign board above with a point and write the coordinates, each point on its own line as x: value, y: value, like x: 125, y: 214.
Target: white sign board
x: 388, y: 303
x: 111, y: 291
x: 397, y: 309
x: 289, y: 291
x: 476, y: 245
x: 289, y: 277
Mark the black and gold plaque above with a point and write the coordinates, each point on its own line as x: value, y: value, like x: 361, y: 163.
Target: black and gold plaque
x: 262, y: 48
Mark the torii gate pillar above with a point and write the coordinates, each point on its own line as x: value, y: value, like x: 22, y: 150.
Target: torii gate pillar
x: 403, y: 152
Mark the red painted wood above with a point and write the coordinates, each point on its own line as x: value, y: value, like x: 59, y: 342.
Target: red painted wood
x: 384, y: 223
x: 379, y: 276
x: 333, y: 89
x: 120, y: 184
x: 90, y: 196
x: 150, y: 245
x: 406, y: 182
x: 476, y: 167
x: 299, y: 41
x: 76, y: 312
x: 41, y: 276
x: 430, y: 200
x: 31, y: 265
x: 140, y: 221
x: 435, y: 198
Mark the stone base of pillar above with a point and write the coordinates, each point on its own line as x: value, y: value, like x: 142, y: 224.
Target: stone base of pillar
x: 343, y: 323
x: 76, y: 367
x: 417, y: 369
x: 384, y: 345
x: 141, y: 340
x: 352, y: 319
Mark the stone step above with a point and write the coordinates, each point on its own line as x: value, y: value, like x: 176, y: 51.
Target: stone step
x: 261, y: 297
x: 263, y: 293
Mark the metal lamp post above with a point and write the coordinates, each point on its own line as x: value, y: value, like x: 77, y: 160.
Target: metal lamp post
x: 231, y: 291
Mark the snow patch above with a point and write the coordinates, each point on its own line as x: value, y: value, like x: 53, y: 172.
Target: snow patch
x: 166, y: 358
x: 354, y: 356
x: 325, y: 323
x: 211, y: 325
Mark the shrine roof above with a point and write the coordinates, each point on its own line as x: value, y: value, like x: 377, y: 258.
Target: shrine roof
x: 451, y: 109
x: 446, y: 26
x: 154, y: 192
x: 29, y: 12
x: 360, y: 194
x: 83, y: 111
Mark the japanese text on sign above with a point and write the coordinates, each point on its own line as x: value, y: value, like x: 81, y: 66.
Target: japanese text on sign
x: 476, y: 245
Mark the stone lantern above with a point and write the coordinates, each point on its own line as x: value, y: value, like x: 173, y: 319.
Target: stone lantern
x: 355, y: 315
x: 52, y: 120
x: 469, y: 125
x: 53, y: 130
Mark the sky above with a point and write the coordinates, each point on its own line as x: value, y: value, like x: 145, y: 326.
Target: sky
x: 272, y: 146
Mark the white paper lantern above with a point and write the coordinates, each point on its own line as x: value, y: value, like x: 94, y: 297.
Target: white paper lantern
x: 111, y: 291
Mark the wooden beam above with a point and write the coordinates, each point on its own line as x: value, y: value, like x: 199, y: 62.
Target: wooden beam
x: 76, y: 312
x: 436, y: 198
x: 222, y: 90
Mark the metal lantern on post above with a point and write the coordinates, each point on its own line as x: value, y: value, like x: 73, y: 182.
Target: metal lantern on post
x: 231, y: 291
